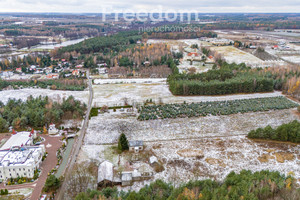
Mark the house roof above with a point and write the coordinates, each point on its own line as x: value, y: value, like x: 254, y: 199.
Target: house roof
x: 193, y: 53
x: 135, y: 143
x: 105, y: 171
x: 18, y: 139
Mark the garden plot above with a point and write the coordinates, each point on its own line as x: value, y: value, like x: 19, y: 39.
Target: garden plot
x: 106, y: 128
x: 114, y: 94
x: 56, y: 95
x: 234, y: 55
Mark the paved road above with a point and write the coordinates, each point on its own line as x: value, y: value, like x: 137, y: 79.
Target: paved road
x: 77, y: 144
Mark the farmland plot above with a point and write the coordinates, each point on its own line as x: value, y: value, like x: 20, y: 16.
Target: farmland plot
x: 114, y: 94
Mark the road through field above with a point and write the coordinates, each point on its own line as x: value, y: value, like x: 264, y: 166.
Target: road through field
x: 77, y: 144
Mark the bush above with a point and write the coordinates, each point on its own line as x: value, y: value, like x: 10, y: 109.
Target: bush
x: 4, y: 192
x: 52, y: 184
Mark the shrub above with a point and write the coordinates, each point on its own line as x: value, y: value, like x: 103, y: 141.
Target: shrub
x: 52, y: 184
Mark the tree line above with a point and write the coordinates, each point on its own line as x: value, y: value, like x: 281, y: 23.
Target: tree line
x: 62, y: 84
x: 286, y: 132
x: 245, y: 185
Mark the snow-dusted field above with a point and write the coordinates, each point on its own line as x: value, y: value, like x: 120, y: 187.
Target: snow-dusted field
x: 134, y: 80
x: 188, y: 148
x: 114, y: 94
x: 216, y: 157
x: 106, y: 128
x: 234, y: 55
x: 213, y: 158
x: 293, y: 59
x: 185, y: 42
x: 56, y: 95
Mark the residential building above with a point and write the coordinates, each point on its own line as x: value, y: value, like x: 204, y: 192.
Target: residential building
x: 18, y: 156
x: 136, y: 146
x: 20, y: 161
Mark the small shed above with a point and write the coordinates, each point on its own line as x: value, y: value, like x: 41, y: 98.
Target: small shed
x: 136, y: 146
x: 153, y: 160
x: 136, y: 175
x: 126, y: 178
x: 105, y: 172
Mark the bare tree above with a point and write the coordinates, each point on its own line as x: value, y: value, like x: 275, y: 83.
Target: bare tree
x: 84, y: 176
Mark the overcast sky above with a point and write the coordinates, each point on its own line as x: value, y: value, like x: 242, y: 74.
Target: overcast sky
x: 98, y: 6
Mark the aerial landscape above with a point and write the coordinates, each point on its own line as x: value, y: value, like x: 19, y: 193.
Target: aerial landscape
x: 149, y: 100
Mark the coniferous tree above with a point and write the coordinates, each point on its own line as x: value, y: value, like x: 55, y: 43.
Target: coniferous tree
x: 123, y: 143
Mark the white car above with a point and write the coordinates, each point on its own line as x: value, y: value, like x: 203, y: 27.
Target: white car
x: 43, y: 197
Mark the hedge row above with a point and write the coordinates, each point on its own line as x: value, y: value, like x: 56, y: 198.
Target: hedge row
x: 214, y: 108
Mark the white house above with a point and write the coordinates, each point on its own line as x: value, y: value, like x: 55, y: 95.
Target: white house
x: 20, y: 161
